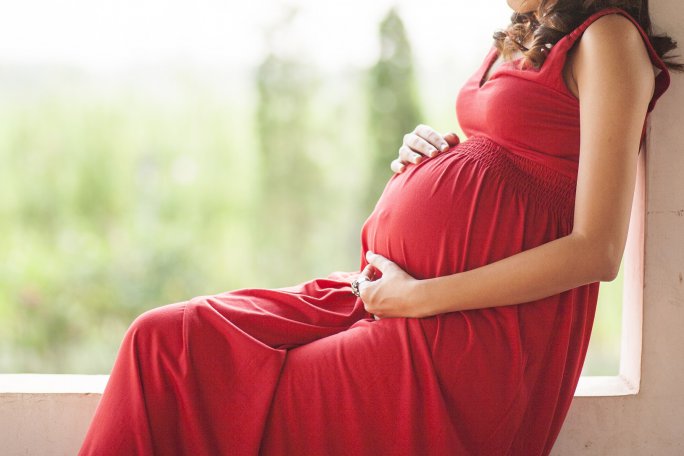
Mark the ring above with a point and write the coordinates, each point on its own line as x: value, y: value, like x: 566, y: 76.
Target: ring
x: 355, y: 285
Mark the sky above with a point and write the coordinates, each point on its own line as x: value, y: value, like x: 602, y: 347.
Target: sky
x: 104, y: 35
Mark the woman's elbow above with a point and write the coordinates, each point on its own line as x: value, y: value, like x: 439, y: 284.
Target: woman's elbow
x: 610, y: 272
x: 602, y: 258
x: 612, y: 259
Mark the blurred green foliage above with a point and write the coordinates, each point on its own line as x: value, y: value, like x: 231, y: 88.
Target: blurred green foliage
x: 120, y: 197
x: 290, y: 180
x: 603, y: 356
x: 393, y: 104
x: 114, y: 203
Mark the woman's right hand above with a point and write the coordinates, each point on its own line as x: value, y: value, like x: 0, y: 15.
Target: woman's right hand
x: 422, y: 143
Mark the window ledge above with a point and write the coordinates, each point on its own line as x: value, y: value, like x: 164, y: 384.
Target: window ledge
x: 599, y: 386
x: 589, y: 386
x: 52, y: 384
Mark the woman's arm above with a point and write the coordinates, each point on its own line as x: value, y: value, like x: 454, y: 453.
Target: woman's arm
x: 615, y: 82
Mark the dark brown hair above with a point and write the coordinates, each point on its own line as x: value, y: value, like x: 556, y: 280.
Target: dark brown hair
x: 557, y: 18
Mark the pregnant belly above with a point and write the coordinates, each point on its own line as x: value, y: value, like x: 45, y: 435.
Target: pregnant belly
x: 469, y: 206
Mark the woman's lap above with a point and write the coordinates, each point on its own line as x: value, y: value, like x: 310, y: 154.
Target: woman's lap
x: 230, y: 372
x: 367, y: 390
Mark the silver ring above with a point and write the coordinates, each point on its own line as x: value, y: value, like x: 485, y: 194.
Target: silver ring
x: 355, y: 285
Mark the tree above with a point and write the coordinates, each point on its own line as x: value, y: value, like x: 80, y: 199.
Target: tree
x: 393, y: 103
x: 288, y: 174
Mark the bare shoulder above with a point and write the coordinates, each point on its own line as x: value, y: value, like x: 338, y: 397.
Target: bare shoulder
x: 613, y: 49
x: 613, y: 31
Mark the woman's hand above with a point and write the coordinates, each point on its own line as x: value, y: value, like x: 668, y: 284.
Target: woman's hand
x: 392, y: 295
x: 421, y: 143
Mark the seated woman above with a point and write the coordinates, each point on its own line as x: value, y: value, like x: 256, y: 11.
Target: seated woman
x: 465, y: 328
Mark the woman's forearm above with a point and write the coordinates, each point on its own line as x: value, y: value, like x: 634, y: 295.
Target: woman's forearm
x: 546, y: 270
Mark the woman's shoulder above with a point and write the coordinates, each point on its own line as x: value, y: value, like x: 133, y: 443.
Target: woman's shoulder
x: 614, y: 32
x: 614, y: 41
x: 610, y: 41
x: 601, y: 48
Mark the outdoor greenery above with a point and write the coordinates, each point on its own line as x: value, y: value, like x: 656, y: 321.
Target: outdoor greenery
x: 117, y: 197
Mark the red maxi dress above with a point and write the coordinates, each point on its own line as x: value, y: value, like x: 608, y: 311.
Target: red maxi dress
x: 305, y: 370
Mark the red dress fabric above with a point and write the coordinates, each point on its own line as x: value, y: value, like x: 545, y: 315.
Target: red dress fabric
x: 305, y: 370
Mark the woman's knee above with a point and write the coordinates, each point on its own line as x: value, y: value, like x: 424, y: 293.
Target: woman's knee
x: 159, y: 322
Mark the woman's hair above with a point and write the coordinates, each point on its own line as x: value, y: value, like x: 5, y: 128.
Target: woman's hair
x: 557, y: 18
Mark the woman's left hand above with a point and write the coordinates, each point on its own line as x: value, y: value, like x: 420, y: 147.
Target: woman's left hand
x: 392, y: 295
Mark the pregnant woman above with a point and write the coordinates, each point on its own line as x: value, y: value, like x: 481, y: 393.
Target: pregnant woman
x: 465, y: 328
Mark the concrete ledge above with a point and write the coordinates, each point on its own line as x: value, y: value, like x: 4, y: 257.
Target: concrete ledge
x: 50, y: 414
x: 41, y: 424
x: 605, y: 386
x: 52, y: 384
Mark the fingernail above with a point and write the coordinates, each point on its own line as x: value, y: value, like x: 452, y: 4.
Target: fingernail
x: 444, y: 146
x: 432, y: 153
x: 416, y: 156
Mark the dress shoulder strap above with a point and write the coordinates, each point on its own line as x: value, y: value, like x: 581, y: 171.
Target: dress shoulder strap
x: 559, y: 52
